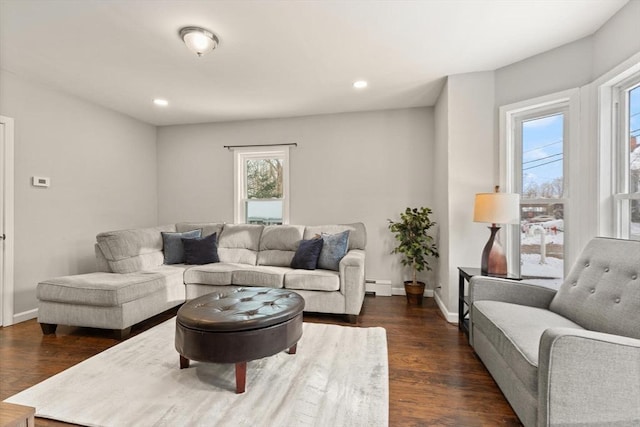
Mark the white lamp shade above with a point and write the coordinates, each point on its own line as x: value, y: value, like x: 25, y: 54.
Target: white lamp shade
x: 497, y: 208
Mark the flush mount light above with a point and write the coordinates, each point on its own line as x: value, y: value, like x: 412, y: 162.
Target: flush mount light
x: 360, y: 84
x: 161, y: 102
x: 199, y: 40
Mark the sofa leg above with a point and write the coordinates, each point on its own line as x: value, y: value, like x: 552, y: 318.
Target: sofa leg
x: 352, y: 318
x: 122, y: 334
x: 48, y: 328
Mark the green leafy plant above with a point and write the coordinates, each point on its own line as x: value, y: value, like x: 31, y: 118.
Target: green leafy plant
x: 413, y: 242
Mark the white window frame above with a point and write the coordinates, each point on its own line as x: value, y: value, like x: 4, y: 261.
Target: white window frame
x: 241, y: 155
x: 615, y: 196
x: 510, y: 154
x: 605, y: 89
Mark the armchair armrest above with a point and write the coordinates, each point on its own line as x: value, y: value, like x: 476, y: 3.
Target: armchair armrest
x: 588, y: 378
x: 512, y: 291
x: 351, y: 270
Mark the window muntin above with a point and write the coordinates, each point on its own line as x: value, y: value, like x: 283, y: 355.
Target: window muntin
x: 262, y: 179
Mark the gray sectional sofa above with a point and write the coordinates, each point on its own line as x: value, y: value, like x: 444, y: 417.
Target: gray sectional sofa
x: 134, y: 284
x: 571, y: 357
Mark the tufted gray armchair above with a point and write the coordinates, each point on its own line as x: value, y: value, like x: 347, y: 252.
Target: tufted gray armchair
x: 570, y: 357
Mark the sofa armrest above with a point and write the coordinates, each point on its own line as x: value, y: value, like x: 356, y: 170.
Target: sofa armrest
x: 352, y: 280
x: 512, y: 291
x: 588, y: 378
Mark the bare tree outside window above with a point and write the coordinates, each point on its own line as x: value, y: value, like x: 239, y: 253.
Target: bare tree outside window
x: 265, y: 191
x: 264, y: 178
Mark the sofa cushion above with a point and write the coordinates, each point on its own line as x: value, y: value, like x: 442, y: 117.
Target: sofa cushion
x: 128, y: 251
x: 240, y: 243
x: 208, y: 228
x: 278, y: 244
x: 514, y: 331
x: 602, y: 292
x: 269, y: 277
x: 334, y: 248
x: 105, y: 289
x: 312, y: 280
x: 357, y: 233
x: 201, y: 251
x: 307, y: 254
x: 211, y: 274
x: 172, y: 246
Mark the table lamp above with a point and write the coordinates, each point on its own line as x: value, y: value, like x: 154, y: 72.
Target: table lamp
x: 496, y: 208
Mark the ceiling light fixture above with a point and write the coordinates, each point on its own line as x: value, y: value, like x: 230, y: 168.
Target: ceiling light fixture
x: 360, y: 84
x: 161, y: 102
x: 199, y: 40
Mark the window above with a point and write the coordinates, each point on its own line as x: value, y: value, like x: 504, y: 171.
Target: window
x: 262, y: 186
x: 534, y: 156
x: 626, y: 155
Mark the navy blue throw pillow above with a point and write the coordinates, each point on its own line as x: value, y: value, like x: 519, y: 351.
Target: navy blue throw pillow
x: 201, y: 251
x: 172, y: 245
x: 307, y: 254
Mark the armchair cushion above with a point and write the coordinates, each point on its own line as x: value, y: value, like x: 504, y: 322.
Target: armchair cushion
x: 515, y: 331
x: 602, y: 292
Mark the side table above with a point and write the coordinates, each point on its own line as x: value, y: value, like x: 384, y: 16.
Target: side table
x: 464, y: 276
x: 12, y: 415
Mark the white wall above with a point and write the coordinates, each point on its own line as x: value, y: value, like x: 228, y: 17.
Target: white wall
x: 102, y: 166
x: 441, y: 192
x: 351, y: 167
x: 466, y: 109
x: 617, y: 40
x: 565, y: 67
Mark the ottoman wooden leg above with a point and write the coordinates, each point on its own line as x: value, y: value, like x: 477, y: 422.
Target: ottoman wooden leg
x: 241, y: 377
x: 184, y: 362
x: 293, y: 349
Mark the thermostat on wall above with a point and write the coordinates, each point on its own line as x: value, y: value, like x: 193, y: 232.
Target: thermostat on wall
x: 40, y: 181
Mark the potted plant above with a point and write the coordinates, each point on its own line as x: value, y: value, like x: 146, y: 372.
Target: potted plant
x: 416, y: 247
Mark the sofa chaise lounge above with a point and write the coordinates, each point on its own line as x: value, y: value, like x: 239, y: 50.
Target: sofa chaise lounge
x: 571, y: 357
x: 133, y: 283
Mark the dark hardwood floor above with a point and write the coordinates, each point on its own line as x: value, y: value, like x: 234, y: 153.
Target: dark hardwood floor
x: 435, y: 379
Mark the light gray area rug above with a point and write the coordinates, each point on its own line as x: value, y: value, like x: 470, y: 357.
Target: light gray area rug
x: 339, y: 377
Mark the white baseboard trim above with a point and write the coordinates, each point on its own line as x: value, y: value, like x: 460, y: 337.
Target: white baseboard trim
x: 24, y: 316
x: 449, y: 317
x: 400, y: 291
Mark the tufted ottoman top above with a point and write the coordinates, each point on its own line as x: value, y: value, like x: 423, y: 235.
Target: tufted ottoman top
x: 240, y: 310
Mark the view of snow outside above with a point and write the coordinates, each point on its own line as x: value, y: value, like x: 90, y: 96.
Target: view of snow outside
x: 542, y: 224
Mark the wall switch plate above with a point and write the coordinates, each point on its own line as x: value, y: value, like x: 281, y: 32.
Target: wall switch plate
x: 40, y: 181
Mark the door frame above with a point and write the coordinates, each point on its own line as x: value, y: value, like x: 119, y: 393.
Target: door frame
x: 6, y: 285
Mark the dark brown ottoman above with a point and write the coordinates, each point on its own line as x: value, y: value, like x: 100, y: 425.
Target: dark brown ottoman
x: 239, y: 326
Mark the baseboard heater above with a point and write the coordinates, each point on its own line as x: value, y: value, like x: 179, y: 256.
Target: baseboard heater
x: 379, y: 287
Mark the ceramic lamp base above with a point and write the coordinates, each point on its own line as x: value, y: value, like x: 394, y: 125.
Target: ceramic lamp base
x: 494, y: 261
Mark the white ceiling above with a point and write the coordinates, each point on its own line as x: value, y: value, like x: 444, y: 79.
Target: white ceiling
x: 277, y: 58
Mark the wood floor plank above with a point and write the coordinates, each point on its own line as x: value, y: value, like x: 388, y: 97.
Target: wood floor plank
x: 435, y: 379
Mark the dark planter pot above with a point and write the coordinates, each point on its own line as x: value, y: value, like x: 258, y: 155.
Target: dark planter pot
x: 415, y: 293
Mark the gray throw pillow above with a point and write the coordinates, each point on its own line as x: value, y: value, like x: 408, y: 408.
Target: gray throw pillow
x: 172, y: 245
x: 334, y: 248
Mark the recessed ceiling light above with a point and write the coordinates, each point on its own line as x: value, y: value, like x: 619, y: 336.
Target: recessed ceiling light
x: 360, y: 84
x: 161, y: 102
